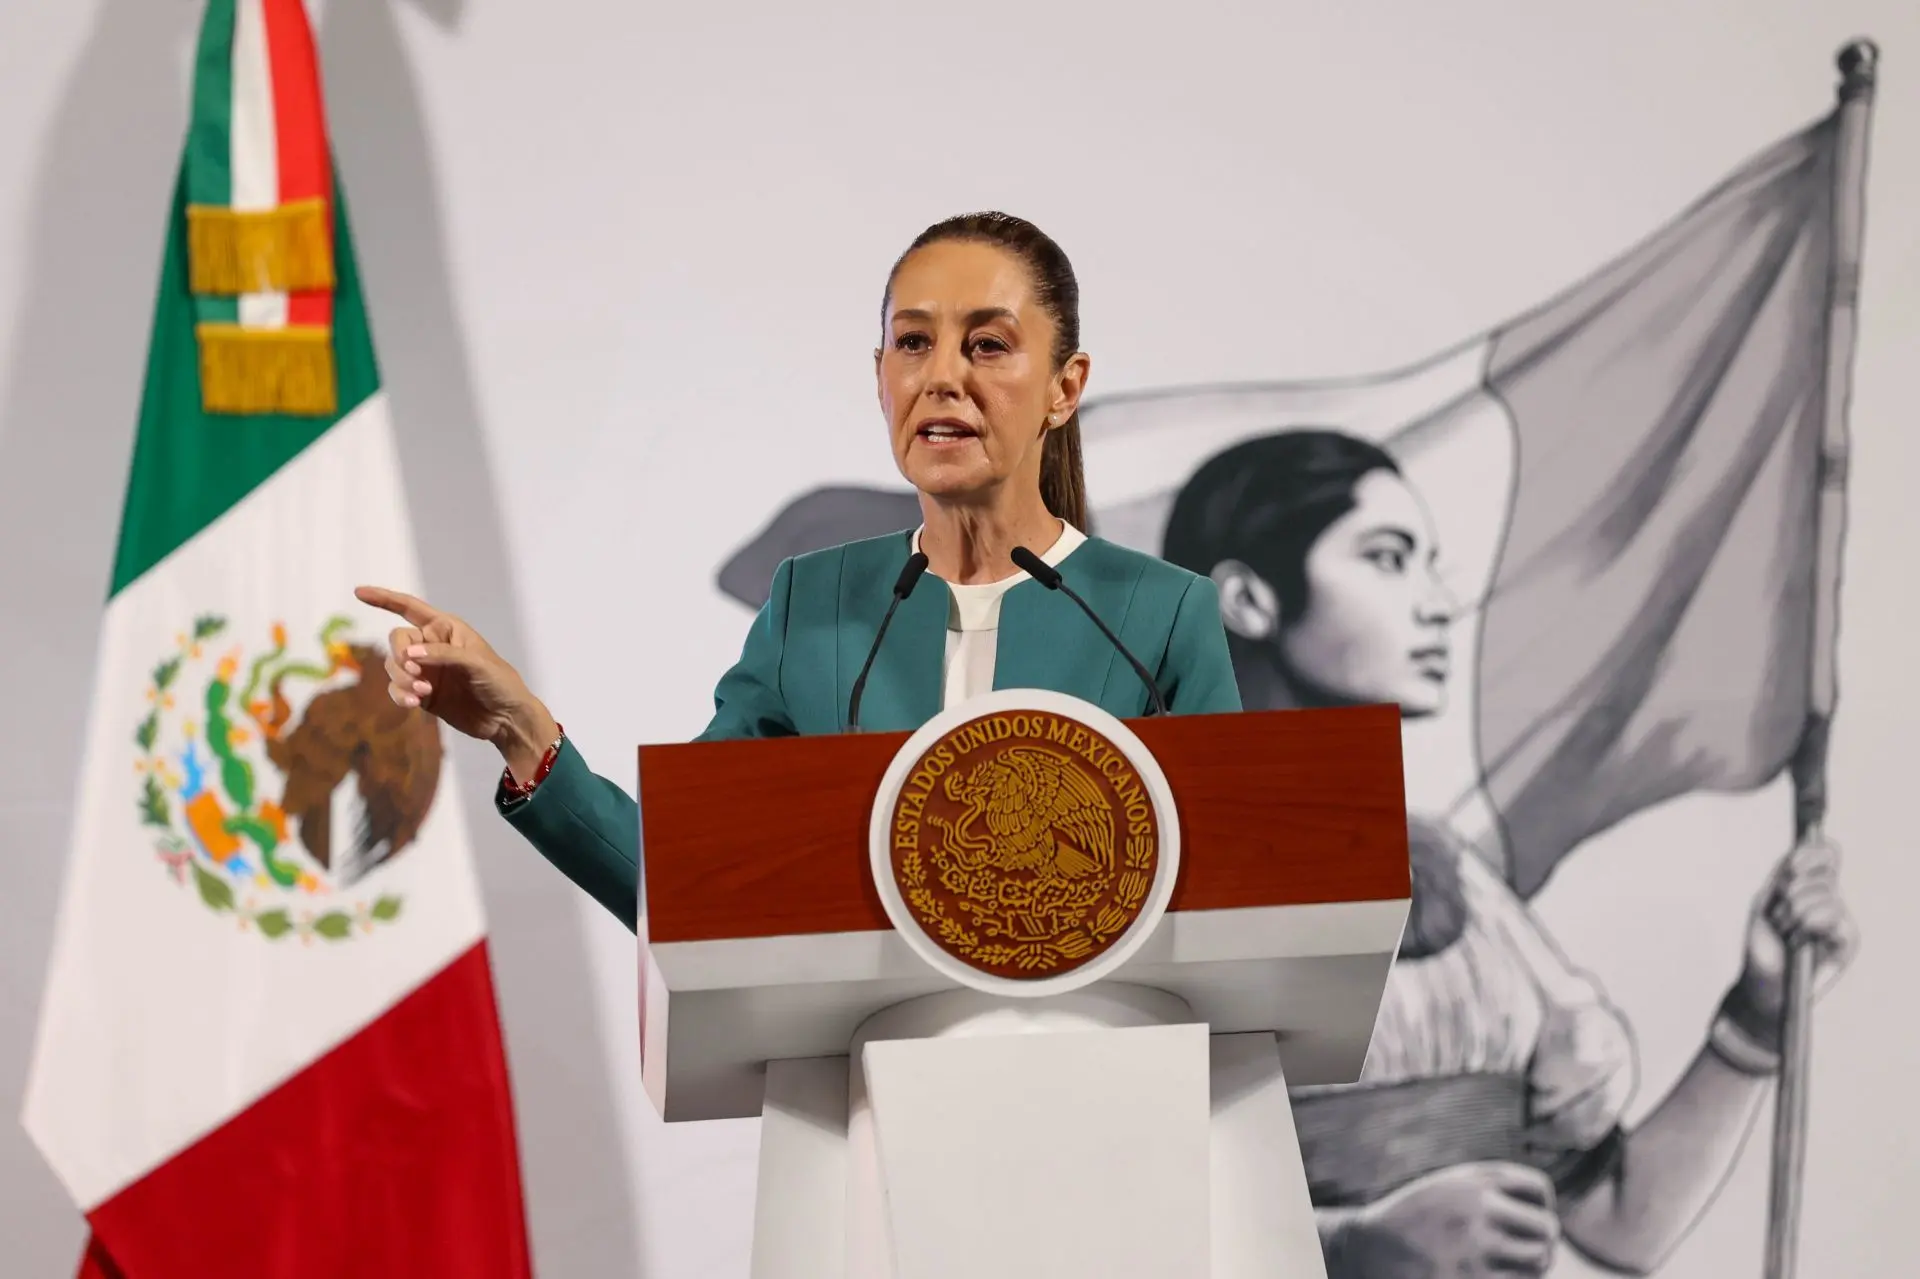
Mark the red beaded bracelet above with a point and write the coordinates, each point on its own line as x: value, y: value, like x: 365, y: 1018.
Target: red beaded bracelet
x: 513, y: 789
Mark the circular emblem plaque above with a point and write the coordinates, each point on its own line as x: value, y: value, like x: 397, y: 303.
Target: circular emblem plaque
x: 1024, y: 842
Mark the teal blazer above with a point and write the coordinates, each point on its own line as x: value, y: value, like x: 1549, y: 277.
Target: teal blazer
x: 805, y: 648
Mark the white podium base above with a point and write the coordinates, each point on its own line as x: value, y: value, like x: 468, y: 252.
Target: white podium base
x: 1102, y: 1133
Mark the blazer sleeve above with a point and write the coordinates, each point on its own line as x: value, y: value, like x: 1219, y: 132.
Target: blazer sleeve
x: 1197, y: 674
x: 589, y: 827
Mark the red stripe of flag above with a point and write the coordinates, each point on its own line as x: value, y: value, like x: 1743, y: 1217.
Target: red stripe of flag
x: 393, y: 1156
x: 300, y: 130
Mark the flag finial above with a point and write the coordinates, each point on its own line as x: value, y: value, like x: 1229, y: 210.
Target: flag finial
x: 1859, y: 64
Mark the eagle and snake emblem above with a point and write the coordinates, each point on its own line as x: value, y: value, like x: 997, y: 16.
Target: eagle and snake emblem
x: 1042, y: 816
x: 284, y: 780
x: 1016, y: 854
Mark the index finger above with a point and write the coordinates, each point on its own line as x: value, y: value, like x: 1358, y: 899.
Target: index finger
x: 417, y: 611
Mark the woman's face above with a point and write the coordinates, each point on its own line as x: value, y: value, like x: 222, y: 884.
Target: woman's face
x: 966, y: 375
x: 1377, y: 613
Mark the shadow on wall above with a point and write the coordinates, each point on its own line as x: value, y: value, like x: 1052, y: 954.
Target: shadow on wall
x: 580, y: 1199
x: 72, y: 380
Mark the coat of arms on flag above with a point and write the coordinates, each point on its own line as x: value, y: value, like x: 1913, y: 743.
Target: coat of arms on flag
x: 1603, y: 574
x: 275, y: 779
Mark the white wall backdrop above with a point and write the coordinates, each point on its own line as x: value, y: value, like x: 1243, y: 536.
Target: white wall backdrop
x: 625, y: 264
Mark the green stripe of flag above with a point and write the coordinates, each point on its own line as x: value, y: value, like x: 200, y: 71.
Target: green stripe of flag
x: 190, y: 466
x: 210, y: 136
x: 209, y: 161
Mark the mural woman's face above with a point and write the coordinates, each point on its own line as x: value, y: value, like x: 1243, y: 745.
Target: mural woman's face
x: 1377, y: 614
x: 966, y: 374
x: 1375, y: 628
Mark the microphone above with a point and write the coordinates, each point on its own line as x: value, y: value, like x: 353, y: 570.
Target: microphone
x: 1049, y: 576
x: 903, y: 587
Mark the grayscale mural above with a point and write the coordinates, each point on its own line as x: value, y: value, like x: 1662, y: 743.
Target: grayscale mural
x: 1593, y: 554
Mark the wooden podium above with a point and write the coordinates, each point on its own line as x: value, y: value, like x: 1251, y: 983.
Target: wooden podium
x: 915, y: 1128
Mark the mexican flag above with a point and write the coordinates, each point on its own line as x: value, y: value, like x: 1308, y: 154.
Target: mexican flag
x: 269, y: 1043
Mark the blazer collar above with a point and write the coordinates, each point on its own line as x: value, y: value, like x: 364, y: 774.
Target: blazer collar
x: 1041, y: 644
x: 1043, y: 641
x: 904, y: 686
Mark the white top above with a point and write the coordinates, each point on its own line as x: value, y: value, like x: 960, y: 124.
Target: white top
x: 973, y: 623
x: 1503, y: 999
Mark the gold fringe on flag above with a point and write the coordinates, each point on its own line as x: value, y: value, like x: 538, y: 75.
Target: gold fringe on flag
x: 282, y: 250
x: 287, y: 370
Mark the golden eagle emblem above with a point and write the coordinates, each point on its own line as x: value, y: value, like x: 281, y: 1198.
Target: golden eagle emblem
x: 1041, y: 814
x: 1025, y: 844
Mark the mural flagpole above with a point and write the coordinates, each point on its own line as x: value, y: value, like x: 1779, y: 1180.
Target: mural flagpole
x: 1859, y: 65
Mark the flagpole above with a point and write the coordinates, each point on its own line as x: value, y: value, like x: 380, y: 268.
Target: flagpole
x: 1859, y: 65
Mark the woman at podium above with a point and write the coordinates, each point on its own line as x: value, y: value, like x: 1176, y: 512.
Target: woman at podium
x: 980, y: 377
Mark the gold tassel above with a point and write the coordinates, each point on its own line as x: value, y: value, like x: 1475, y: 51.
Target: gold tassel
x: 283, y: 250
x: 286, y: 370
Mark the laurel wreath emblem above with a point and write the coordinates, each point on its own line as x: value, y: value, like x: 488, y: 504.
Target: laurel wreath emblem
x: 992, y: 900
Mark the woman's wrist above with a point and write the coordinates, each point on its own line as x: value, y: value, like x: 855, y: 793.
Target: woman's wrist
x: 1745, y: 1035
x: 525, y: 738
